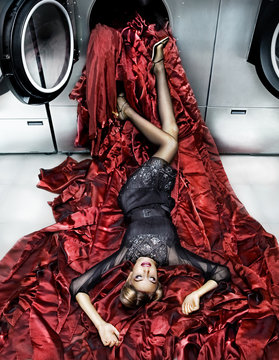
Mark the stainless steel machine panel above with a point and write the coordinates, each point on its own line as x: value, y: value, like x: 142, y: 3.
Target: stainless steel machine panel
x: 256, y: 132
x: 20, y: 136
x: 202, y: 111
x: 194, y: 25
x: 65, y: 127
x: 234, y: 81
x: 23, y: 128
x: 11, y: 107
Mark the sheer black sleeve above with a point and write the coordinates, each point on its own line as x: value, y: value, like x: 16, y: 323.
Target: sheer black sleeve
x: 210, y: 270
x: 84, y: 283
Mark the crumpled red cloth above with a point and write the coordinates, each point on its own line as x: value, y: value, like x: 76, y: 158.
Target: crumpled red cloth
x: 38, y: 319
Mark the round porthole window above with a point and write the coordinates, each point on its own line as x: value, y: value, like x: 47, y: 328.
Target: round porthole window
x: 275, y: 50
x: 264, y: 51
x: 39, y: 50
x: 47, y: 46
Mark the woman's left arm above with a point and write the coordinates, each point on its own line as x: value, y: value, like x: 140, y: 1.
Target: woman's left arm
x: 192, y: 301
x: 212, y: 272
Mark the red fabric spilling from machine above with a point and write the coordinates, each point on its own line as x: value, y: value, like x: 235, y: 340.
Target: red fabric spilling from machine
x: 38, y: 318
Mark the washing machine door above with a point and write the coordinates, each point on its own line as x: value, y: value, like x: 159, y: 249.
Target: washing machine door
x: 3, y: 84
x: 264, y: 53
x: 37, y: 48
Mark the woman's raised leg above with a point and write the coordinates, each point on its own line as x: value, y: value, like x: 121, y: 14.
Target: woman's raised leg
x: 164, y: 99
x: 165, y: 138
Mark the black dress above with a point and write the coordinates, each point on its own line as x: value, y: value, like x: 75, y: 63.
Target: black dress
x: 146, y: 202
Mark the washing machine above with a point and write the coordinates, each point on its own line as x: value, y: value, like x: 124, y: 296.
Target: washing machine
x: 264, y: 52
x: 43, y: 47
x: 37, y: 51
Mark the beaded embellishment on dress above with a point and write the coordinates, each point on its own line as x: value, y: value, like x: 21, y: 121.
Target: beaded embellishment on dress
x: 151, y: 245
x: 154, y: 173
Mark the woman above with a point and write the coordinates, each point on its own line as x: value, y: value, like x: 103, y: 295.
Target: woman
x: 150, y: 239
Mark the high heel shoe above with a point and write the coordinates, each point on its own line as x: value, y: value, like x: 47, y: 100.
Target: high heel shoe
x: 120, y: 109
x: 154, y: 50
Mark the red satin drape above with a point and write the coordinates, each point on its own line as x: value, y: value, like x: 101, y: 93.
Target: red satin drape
x: 39, y: 321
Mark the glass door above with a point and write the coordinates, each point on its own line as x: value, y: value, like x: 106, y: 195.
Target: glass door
x: 264, y: 51
x: 38, y: 49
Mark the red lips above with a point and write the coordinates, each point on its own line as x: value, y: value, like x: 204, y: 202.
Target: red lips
x: 145, y: 263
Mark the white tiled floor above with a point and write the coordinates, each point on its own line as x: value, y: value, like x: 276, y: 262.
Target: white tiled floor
x: 24, y: 207
x: 255, y: 180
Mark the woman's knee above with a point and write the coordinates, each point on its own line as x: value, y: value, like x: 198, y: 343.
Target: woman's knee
x: 172, y: 143
x: 172, y: 131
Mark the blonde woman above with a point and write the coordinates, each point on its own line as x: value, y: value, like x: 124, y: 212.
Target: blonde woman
x: 150, y: 240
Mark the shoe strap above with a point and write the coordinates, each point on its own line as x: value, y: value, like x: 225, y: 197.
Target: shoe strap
x: 155, y: 62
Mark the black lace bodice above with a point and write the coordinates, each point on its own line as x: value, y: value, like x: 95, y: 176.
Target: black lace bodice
x: 150, y: 184
x: 146, y: 201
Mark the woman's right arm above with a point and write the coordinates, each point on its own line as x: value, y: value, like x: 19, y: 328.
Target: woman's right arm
x: 108, y: 333
x: 80, y: 287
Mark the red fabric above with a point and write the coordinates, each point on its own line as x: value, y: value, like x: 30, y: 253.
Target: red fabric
x: 38, y: 320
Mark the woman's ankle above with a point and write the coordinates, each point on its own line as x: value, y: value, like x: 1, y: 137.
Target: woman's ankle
x: 122, y: 105
x: 159, y: 67
x: 128, y: 110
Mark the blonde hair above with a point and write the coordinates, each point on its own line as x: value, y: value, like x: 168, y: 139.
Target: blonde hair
x: 132, y: 298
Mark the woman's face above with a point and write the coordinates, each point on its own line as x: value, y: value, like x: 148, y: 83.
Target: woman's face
x: 144, y: 275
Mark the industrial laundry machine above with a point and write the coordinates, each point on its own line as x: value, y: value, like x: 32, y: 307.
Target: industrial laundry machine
x: 43, y: 51
x: 37, y: 49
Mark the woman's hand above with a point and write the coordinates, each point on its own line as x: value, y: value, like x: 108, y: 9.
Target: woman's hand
x: 191, y: 303
x: 108, y: 334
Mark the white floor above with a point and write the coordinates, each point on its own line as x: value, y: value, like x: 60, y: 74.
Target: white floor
x: 24, y: 207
